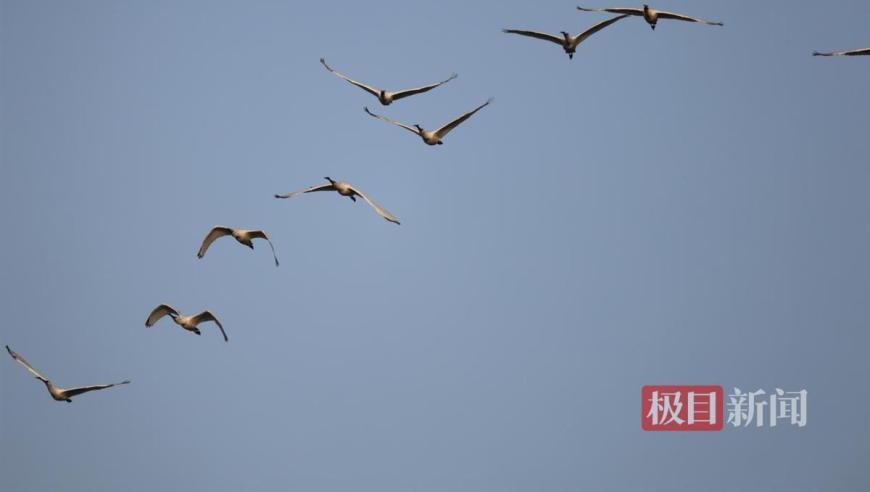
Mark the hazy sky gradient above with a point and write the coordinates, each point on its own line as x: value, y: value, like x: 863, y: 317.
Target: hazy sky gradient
x: 683, y: 206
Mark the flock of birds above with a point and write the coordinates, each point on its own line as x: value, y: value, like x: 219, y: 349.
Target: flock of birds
x: 431, y: 137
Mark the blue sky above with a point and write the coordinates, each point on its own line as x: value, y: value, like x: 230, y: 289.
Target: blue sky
x: 684, y: 206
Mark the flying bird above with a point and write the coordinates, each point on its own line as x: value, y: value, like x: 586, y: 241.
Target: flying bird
x: 344, y: 189
x: 566, y: 41
x: 59, y: 394
x: 862, y: 51
x: 189, y: 323
x: 432, y: 137
x: 387, y: 97
x: 241, y: 235
x: 650, y: 15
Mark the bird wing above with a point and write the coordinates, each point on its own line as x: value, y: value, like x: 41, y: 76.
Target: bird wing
x: 70, y: 392
x: 371, y: 90
x: 597, y: 27
x: 860, y: 52
x: 420, y: 90
x: 536, y: 34
x: 384, y: 118
x: 444, y: 130
x: 26, y: 364
x: 207, y: 316
x: 213, y: 234
x: 159, y: 312
x: 380, y: 210
x: 863, y: 51
x: 323, y: 187
x: 617, y: 10
x: 263, y: 235
x: 671, y: 15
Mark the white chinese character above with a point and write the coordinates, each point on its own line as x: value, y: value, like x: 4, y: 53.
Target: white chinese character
x: 793, y: 408
x: 665, y: 409
x: 697, y: 402
x: 743, y: 408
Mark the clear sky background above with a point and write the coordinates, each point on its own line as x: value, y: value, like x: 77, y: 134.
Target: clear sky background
x: 679, y: 206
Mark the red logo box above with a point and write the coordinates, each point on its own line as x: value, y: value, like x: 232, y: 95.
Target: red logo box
x: 681, y: 408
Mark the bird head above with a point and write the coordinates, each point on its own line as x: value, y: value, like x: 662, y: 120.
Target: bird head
x: 418, y: 127
x: 331, y: 181
x: 196, y: 330
x: 566, y: 35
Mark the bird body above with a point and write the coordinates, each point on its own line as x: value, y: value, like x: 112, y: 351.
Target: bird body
x: 385, y: 98
x: 243, y: 236
x: 344, y: 189
x: 650, y: 15
x: 431, y: 137
x: 57, y: 393
x: 189, y: 323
